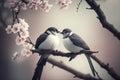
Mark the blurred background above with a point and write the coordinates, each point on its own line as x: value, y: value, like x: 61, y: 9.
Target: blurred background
x: 83, y: 22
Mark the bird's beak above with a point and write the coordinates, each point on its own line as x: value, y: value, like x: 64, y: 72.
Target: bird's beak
x: 64, y: 36
x: 58, y: 32
x: 61, y: 33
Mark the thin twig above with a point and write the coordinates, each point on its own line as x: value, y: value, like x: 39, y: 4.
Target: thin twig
x: 78, y: 5
x: 13, y: 17
x: 30, y: 41
x: 25, y: 1
x: 16, y: 14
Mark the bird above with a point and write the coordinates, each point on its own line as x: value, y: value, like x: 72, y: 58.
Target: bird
x: 75, y: 44
x: 48, y: 40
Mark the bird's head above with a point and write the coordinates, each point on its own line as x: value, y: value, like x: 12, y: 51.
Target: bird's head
x: 66, y: 33
x: 52, y: 30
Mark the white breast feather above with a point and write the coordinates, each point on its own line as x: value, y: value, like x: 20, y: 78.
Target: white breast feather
x: 50, y: 43
x: 70, y: 46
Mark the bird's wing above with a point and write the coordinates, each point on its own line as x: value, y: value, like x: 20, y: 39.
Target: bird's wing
x: 78, y: 41
x: 40, y: 39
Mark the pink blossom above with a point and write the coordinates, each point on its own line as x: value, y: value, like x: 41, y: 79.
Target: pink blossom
x: 23, y: 6
x: 16, y: 28
x: 63, y: 4
x: 16, y: 9
x: 20, y: 40
x: 8, y: 29
x: 24, y: 34
x: 24, y: 25
x: 38, y: 2
x: 34, y: 4
x: 27, y: 46
x: 26, y: 52
x: 11, y: 3
x: 45, y: 7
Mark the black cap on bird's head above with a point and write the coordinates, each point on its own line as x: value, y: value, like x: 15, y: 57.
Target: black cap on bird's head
x: 66, y: 32
x: 52, y: 30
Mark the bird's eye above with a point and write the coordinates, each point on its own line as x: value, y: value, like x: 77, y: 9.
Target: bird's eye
x: 66, y: 32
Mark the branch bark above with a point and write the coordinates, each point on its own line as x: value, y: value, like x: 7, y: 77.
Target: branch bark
x: 102, y: 18
x: 71, y: 70
x: 109, y: 69
x: 65, y: 67
x: 59, y: 53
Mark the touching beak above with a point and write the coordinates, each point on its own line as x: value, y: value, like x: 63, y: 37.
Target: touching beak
x: 58, y: 32
x: 61, y: 33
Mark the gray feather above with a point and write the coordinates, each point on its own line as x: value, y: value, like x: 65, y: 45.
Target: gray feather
x: 78, y: 41
x: 90, y: 64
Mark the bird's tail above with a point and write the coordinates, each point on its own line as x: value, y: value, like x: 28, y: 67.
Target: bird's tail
x: 90, y: 64
x: 39, y: 68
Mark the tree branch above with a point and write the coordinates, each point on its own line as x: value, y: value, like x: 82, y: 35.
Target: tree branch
x: 65, y: 67
x: 79, y: 5
x: 71, y: 70
x: 102, y: 18
x: 109, y: 69
x: 59, y: 53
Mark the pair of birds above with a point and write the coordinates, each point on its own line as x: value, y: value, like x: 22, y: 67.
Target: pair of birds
x: 49, y: 41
